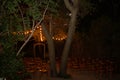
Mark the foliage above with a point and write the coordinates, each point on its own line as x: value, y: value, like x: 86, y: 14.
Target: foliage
x: 11, y: 66
x: 17, y: 15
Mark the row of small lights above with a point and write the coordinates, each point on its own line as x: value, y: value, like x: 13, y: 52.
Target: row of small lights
x: 58, y: 38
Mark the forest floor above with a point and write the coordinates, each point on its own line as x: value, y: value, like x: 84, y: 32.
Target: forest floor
x: 76, y: 75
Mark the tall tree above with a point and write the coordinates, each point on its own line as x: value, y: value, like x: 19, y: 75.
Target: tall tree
x: 74, y: 6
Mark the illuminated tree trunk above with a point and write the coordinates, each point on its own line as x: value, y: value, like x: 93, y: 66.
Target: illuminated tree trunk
x: 51, y: 48
x: 74, y: 10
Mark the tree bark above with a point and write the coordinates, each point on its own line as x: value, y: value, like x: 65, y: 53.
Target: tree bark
x: 63, y: 67
x: 71, y: 31
x: 51, y: 48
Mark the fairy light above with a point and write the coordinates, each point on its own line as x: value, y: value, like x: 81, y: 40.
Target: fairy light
x: 57, y: 37
x: 41, y: 35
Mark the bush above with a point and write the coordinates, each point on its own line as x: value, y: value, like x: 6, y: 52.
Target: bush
x: 11, y: 66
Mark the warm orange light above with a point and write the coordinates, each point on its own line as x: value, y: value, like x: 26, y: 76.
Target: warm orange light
x: 59, y: 37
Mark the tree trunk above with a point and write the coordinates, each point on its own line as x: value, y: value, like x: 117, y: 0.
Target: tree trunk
x: 51, y: 48
x: 63, y: 66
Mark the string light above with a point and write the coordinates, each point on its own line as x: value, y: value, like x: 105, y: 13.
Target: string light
x: 41, y: 34
x: 57, y: 37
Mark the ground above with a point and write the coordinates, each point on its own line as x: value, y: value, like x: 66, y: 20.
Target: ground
x: 76, y: 75
x: 36, y: 67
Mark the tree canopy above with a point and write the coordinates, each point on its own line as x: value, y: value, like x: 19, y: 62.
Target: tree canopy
x: 21, y: 15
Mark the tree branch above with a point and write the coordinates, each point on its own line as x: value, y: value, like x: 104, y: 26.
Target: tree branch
x: 33, y: 24
x: 68, y: 5
x: 33, y: 30
x: 22, y: 17
x: 75, y: 3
